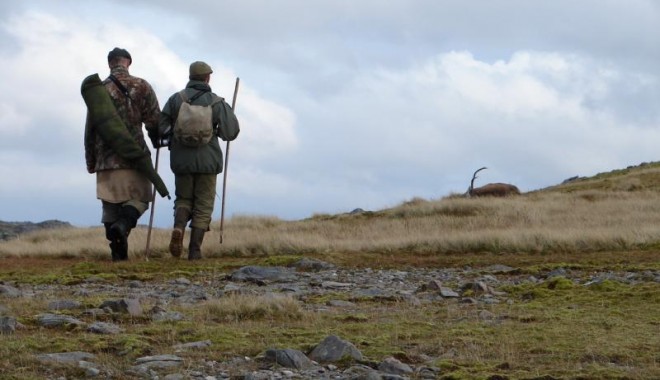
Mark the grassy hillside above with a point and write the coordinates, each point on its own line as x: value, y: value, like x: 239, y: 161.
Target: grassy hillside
x: 615, y: 211
x: 597, y: 319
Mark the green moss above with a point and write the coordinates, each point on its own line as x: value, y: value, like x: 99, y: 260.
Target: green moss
x: 559, y: 283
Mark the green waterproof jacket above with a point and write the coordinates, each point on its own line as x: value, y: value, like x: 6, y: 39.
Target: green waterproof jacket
x: 206, y: 159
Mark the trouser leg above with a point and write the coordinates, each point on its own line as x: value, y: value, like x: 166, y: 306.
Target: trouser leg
x: 203, y: 200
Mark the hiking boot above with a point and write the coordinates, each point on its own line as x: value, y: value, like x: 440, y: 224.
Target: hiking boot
x: 181, y: 217
x: 176, y: 242
x: 119, y: 231
x: 195, y: 246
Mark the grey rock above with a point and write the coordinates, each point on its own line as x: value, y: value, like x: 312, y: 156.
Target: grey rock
x: 182, y: 281
x: 192, y: 345
x: 448, y: 293
x: 259, y: 274
x: 158, y: 358
x: 126, y: 305
x: 289, y: 358
x: 433, y: 285
x: 104, y: 328
x: 499, y: 268
x: 158, y: 314
x: 4, y: 310
x: 57, y: 320
x: 63, y: 305
x: 7, y: 325
x: 335, y: 285
x: 477, y: 288
x: 178, y: 376
x: 559, y: 272
x: 9, y: 291
x: 146, y: 364
x: 66, y: 357
x: 391, y: 365
x: 312, y: 265
x: 333, y: 349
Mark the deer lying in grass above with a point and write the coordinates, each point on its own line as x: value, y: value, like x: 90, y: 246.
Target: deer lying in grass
x: 491, y: 189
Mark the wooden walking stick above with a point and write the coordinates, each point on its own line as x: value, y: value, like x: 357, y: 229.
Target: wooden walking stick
x: 224, y: 177
x: 153, y: 208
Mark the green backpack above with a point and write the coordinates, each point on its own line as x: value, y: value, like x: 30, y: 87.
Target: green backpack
x: 194, y: 124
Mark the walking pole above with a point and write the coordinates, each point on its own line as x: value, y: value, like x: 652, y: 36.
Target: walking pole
x: 153, y: 208
x: 224, y: 177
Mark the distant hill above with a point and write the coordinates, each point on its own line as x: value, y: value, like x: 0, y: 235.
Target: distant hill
x: 642, y: 177
x: 12, y: 230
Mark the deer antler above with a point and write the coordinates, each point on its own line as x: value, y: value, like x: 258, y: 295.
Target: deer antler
x: 474, y: 176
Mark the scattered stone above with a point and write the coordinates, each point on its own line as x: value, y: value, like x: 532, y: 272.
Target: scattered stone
x: 158, y: 314
x: 448, y: 293
x: 4, y: 310
x: 503, y: 269
x: 312, y: 265
x: 259, y: 274
x: 559, y: 272
x: 192, y: 346
x: 104, y: 328
x: 182, y: 281
x: 66, y: 357
x: 393, y: 366
x: 7, y: 325
x: 57, y: 320
x: 126, y: 305
x: 432, y: 285
x: 476, y: 288
x: 148, y: 363
x: 9, y: 291
x: 333, y: 349
x: 289, y: 358
x: 63, y: 305
x: 335, y: 285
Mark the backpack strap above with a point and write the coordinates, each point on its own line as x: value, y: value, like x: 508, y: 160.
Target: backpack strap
x: 184, y: 96
x: 120, y: 86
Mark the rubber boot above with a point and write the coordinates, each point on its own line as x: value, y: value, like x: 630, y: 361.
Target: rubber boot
x: 181, y: 218
x: 121, y: 228
x: 195, y: 246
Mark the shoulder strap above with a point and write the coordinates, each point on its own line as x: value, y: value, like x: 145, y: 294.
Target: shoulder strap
x: 120, y: 86
x: 183, y: 96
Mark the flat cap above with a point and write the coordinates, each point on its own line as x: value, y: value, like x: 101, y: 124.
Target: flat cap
x: 200, y: 68
x: 118, y: 52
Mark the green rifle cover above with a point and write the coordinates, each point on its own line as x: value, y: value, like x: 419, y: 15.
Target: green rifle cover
x: 114, y: 133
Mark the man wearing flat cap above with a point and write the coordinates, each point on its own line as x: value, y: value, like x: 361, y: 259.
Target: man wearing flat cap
x: 124, y: 192
x: 197, y: 118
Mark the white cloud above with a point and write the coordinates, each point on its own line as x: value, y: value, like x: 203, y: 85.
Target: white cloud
x: 346, y: 104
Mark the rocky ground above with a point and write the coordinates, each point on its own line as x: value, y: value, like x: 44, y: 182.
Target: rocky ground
x: 305, y: 279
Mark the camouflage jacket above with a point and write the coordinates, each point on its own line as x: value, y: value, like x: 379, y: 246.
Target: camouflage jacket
x: 206, y: 159
x: 141, y: 106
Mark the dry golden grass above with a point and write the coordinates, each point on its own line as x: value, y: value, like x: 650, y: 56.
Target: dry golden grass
x: 585, y: 221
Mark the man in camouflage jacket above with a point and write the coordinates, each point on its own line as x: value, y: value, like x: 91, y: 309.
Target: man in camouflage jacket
x: 196, y: 168
x: 124, y: 192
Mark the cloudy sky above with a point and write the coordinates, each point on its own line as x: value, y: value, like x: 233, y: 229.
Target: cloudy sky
x: 343, y: 103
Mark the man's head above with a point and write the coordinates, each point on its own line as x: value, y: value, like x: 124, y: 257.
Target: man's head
x: 200, y: 71
x: 118, y: 56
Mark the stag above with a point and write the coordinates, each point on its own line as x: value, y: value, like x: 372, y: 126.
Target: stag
x: 491, y: 189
